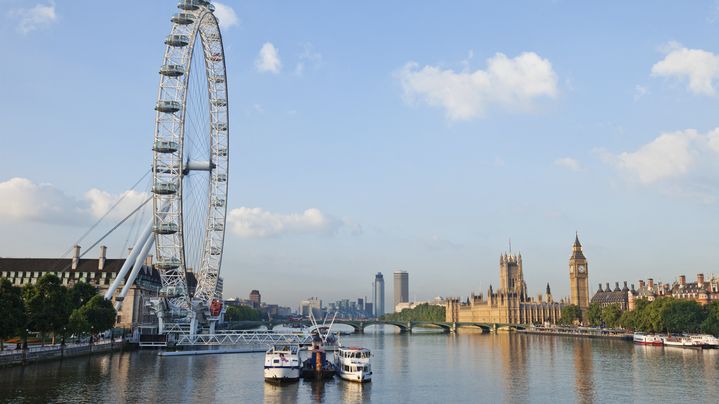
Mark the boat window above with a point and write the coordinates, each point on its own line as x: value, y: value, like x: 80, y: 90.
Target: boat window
x: 276, y: 361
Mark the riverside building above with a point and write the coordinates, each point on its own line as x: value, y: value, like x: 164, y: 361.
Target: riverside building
x: 378, y: 289
x: 100, y: 273
x: 511, y: 304
x: 401, y: 289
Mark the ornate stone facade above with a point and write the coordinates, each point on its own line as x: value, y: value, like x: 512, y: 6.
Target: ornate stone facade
x: 510, y: 304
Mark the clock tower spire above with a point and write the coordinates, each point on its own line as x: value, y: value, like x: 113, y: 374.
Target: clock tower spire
x: 579, y: 278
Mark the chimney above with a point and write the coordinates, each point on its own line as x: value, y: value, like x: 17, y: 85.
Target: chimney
x: 700, y: 280
x: 148, y: 260
x: 651, y: 283
x: 632, y: 287
x: 608, y: 288
x: 600, y: 288
x: 625, y: 288
x: 616, y: 287
x: 103, y: 257
x: 641, y: 284
x: 75, y: 256
x: 682, y: 280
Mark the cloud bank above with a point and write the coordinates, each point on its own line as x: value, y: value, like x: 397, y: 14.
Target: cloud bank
x: 698, y: 67
x: 31, y: 19
x: 683, y: 162
x: 510, y: 83
x: 259, y: 223
x: 23, y: 200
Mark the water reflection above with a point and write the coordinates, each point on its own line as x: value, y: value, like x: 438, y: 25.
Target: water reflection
x: 355, y: 392
x: 424, y: 367
x: 584, y: 378
x: 285, y: 393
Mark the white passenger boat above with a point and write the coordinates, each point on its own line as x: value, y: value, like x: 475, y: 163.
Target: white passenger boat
x: 703, y: 341
x: 282, y: 363
x: 679, y: 341
x: 647, y: 339
x: 353, y: 364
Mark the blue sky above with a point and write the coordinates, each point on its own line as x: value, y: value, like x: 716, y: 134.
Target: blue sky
x: 379, y: 136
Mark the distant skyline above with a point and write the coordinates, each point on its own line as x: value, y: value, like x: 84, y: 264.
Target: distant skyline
x: 373, y: 137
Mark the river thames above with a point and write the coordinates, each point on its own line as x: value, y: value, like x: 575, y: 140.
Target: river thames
x: 417, y: 368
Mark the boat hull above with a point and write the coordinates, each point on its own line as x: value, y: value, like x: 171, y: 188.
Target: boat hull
x: 282, y: 374
x: 358, y: 377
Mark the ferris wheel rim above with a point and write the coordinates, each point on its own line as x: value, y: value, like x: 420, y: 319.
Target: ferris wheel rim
x: 195, y: 24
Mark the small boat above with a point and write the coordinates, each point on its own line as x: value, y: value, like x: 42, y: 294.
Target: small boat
x: 282, y: 364
x: 353, y: 364
x: 647, y: 339
x: 710, y: 341
x: 679, y: 341
x: 317, y: 366
x: 705, y: 341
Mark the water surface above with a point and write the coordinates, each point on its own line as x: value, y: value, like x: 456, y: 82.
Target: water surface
x: 417, y: 368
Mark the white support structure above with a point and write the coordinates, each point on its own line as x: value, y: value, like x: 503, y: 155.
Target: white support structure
x: 139, y: 262
x: 130, y: 261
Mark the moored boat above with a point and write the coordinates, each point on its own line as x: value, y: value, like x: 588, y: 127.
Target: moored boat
x: 317, y: 366
x: 647, y: 339
x: 282, y: 363
x: 353, y: 364
x: 679, y: 341
x: 703, y: 341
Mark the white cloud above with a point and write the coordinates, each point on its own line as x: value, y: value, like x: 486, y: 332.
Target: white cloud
x: 101, y: 201
x: 259, y: 223
x: 568, y: 163
x: 682, y: 155
x: 269, y: 59
x: 510, y: 83
x: 23, y: 200
x: 226, y: 15
x: 31, y: 19
x: 699, y: 67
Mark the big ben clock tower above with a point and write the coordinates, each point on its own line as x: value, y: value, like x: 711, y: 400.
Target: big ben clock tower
x: 579, y: 278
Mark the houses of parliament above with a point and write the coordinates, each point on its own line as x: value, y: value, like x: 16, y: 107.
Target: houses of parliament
x: 510, y: 303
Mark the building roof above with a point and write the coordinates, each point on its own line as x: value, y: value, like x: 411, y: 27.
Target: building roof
x: 610, y: 297
x: 112, y: 265
x: 58, y: 265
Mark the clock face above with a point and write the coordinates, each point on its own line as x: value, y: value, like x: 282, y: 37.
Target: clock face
x: 581, y: 269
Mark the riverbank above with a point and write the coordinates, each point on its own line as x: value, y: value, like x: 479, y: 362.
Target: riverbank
x: 581, y: 332
x: 47, y: 353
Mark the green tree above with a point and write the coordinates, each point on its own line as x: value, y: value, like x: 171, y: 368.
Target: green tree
x: 641, y: 320
x: 47, y: 305
x: 421, y: 312
x: 595, y: 314
x: 242, y: 313
x: 77, y: 323
x: 610, y: 315
x: 99, y: 314
x: 682, y: 316
x: 12, y: 311
x: 80, y: 294
x: 570, y: 314
x: 711, y: 324
x: 627, y: 320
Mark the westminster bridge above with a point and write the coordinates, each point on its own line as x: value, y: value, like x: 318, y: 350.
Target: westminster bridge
x: 358, y: 326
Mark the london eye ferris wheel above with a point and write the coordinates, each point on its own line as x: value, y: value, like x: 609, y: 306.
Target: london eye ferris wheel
x: 190, y: 157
